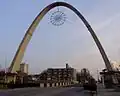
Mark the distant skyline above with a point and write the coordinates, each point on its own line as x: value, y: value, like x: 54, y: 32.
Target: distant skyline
x: 70, y: 43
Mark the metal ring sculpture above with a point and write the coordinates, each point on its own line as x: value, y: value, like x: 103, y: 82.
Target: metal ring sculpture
x: 58, y: 18
x: 15, y: 65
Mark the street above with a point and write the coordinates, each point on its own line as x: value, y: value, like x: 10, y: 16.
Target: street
x: 65, y: 91
x: 44, y: 92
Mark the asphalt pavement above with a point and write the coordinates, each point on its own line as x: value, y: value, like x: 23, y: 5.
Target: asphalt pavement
x: 61, y: 91
x: 69, y: 91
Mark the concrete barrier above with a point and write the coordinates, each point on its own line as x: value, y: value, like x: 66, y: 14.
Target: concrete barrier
x: 56, y: 84
x: 41, y: 85
x: 48, y: 84
x: 53, y: 84
x: 63, y: 84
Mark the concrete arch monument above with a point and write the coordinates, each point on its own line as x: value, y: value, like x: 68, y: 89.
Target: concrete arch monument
x: 23, y: 45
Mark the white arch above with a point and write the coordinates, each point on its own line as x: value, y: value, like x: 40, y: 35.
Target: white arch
x: 22, y: 47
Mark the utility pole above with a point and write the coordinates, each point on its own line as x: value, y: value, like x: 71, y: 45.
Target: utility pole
x: 0, y: 67
x: 5, y: 68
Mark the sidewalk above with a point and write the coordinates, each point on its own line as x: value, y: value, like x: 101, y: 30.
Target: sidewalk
x: 108, y: 92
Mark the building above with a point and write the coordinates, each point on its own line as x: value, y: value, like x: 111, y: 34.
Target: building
x: 59, y: 74
x: 106, y: 77
x: 24, y: 68
x: 7, y: 77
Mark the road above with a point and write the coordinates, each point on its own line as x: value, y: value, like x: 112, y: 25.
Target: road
x: 66, y: 91
x: 73, y: 91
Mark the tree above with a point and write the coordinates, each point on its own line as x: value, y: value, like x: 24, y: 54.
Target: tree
x: 78, y: 76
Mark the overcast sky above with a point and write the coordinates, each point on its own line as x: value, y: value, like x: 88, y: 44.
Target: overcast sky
x: 53, y: 46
